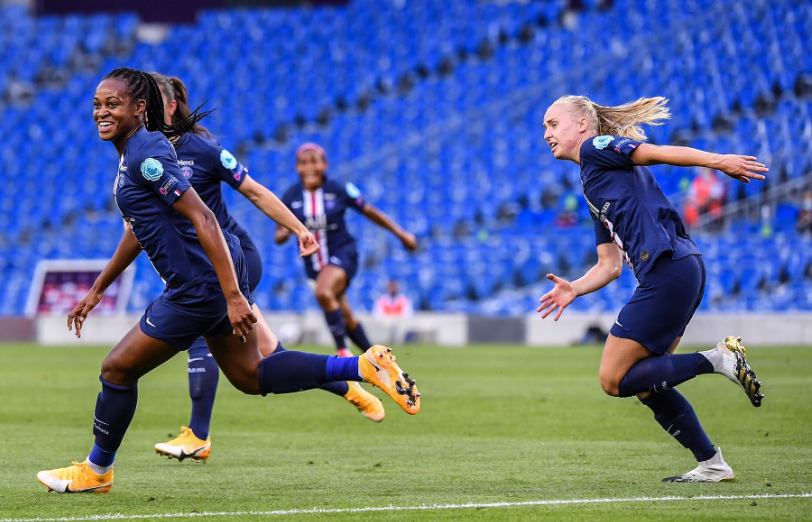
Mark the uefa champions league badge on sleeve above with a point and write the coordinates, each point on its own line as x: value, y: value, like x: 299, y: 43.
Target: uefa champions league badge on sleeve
x: 228, y: 160
x: 352, y: 191
x: 152, y: 169
x: 600, y: 142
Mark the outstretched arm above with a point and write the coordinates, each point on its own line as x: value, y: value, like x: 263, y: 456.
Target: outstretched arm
x: 742, y: 168
x: 384, y: 221
x: 608, y: 268
x: 126, y: 252
x: 268, y: 203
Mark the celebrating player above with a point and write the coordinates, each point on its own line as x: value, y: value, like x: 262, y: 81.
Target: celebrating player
x: 206, y: 165
x: 635, y: 223
x: 320, y: 204
x: 206, y: 286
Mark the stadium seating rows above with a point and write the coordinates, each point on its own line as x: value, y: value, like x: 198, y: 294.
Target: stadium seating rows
x: 443, y: 101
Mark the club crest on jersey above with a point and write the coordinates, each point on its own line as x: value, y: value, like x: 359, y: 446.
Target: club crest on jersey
x: 600, y: 142
x: 227, y: 159
x: 187, y: 171
x: 152, y: 169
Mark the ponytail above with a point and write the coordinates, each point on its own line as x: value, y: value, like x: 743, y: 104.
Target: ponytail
x: 174, y: 89
x: 621, y: 120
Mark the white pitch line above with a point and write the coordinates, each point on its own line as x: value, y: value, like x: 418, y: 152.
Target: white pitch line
x: 472, y: 505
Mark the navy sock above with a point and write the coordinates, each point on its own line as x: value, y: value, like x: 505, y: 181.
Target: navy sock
x: 204, y: 375
x: 115, y: 407
x: 342, y: 368
x: 338, y: 387
x: 657, y: 373
x: 358, y: 336
x: 336, y: 323
x: 287, y: 372
x: 676, y: 415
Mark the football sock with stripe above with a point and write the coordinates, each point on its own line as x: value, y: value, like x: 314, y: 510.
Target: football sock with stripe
x: 657, y: 373
x: 115, y: 407
x: 677, y: 417
x: 337, y: 328
x: 359, y: 337
x: 290, y: 371
x: 203, y: 378
x: 339, y: 387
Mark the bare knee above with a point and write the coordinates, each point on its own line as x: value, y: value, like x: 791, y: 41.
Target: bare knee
x: 247, y: 383
x: 610, y: 384
x: 326, y: 297
x: 114, y: 372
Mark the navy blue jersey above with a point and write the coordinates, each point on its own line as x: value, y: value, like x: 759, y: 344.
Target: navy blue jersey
x: 149, y: 181
x: 322, y: 212
x: 205, y: 164
x: 627, y: 205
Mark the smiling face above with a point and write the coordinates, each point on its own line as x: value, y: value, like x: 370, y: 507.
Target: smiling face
x: 116, y: 114
x: 565, y: 131
x: 310, y: 165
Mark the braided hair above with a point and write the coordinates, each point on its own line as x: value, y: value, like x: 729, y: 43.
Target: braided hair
x: 142, y: 86
x: 173, y: 88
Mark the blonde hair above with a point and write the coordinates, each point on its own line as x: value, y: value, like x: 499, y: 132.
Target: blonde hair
x: 621, y: 120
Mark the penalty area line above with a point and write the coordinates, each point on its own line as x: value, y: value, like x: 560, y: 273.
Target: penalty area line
x: 434, y: 507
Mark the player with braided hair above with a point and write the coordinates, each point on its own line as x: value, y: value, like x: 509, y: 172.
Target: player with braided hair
x: 206, y: 286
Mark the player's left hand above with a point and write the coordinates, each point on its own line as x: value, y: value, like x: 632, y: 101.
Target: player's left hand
x: 742, y: 168
x: 409, y: 241
x: 241, y: 316
x: 307, y: 245
x: 79, y: 313
x: 559, y: 297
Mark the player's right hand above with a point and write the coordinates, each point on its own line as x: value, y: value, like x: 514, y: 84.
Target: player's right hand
x: 307, y: 244
x: 79, y: 313
x: 241, y: 316
x: 559, y: 297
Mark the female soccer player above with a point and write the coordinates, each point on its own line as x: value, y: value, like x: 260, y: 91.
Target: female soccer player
x: 206, y: 165
x: 629, y: 210
x: 206, y: 286
x: 320, y: 204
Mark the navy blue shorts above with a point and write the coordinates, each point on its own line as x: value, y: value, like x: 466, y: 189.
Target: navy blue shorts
x: 663, y: 304
x: 346, y: 258
x: 252, y: 259
x: 181, y: 315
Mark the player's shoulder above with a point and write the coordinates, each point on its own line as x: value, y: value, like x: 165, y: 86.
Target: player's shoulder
x: 149, y: 150
x: 293, y: 191
x: 609, y: 143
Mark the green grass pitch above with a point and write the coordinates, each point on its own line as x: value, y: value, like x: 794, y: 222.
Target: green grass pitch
x: 499, y: 424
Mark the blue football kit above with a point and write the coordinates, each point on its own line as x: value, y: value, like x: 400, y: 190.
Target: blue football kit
x: 628, y: 208
x: 149, y: 182
x: 322, y: 212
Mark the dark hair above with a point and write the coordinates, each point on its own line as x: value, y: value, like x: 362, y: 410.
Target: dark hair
x: 142, y: 86
x: 175, y: 89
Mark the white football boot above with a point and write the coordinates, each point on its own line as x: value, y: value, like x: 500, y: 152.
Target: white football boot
x: 714, y: 469
x: 728, y: 358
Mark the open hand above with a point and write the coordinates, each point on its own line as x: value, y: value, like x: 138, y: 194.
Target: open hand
x: 79, y: 313
x: 559, y: 297
x: 742, y: 168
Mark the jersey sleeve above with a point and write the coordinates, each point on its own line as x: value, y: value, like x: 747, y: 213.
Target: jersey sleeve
x: 287, y: 197
x: 602, y: 234
x: 609, y: 151
x: 227, y: 168
x: 353, y: 197
x: 161, y: 174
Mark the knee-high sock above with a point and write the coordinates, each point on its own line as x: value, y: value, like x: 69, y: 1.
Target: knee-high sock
x: 676, y: 415
x: 359, y: 337
x: 661, y: 372
x: 337, y: 328
x: 290, y: 371
x: 115, y: 407
x: 203, y: 378
x: 338, y: 387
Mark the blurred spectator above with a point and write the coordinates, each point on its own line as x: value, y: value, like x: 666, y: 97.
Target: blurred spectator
x: 706, y: 196
x: 568, y: 216
x: 393, y: 303
x: 804, y: 223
